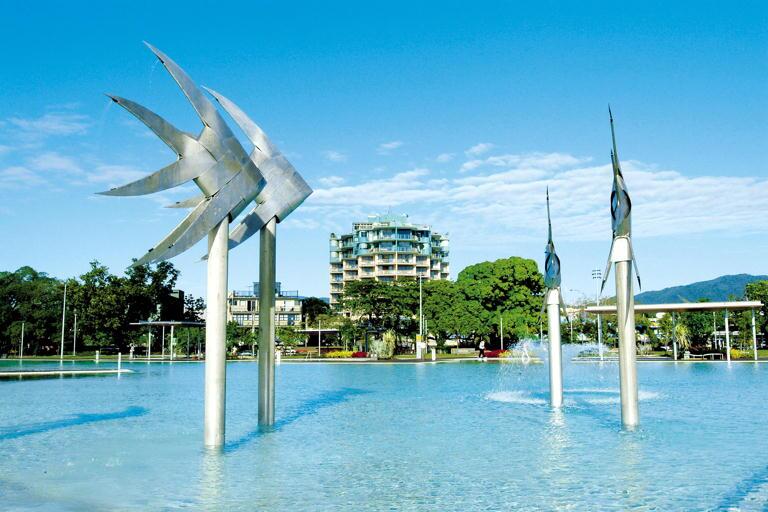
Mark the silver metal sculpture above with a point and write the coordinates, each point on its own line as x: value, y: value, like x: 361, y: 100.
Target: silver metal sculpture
x: 284, y: 192
x: 623, y: 257
x: 229, y: 179
x: 553, y: 301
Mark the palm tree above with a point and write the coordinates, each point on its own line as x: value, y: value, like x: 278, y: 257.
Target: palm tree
x: 682, y: 336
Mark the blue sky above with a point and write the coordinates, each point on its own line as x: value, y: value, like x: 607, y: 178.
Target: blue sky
x: 457, y: 114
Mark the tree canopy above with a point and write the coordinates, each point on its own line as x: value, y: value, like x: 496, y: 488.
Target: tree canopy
x: 470, y: 308
x: 105, y: 305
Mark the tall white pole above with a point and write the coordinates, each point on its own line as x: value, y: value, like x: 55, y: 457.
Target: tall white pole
x: 267, y: 250
x: 754, y: 335
x: 149, y: 345
x: 162, y: 345
x: 216, y: 336
x: 597, y: 275
x: 421, y: 311
x: 172, y: 340
x: 625, y: 312
x: 319, y: 334
x: 501, y: 330
x: 727, y: 338
x: 420, y: 337
x: 21, y: 345
x: 555, y: 351
x: 74, y: 338
x: 63, y: 322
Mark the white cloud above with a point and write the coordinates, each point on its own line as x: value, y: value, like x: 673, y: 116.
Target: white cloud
x: 18, y: 176
x: 52, y: 123
x: 508, y: 205
x: 53, y: 161
x: 444, y: 157
x: 115, y: 175
x: 5, y: 149
x: 331, y: 181
x: 403, y: 187
x: 334, y: 156
x: 479, y: 149
x: 526, y: 160
x: 387, y: 147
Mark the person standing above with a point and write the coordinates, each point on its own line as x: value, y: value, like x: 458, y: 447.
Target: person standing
x: 482, y: 349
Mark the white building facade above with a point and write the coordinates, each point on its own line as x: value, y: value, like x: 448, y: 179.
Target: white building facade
x: 386, y: 248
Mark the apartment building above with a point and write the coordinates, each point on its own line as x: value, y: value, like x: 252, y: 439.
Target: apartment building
x: 243, y: 307
x: 386, y: 248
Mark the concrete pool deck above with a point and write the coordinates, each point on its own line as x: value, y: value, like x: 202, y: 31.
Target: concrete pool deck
x: 21, y: 374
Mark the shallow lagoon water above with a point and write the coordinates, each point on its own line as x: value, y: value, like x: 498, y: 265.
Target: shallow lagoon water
x: 455, y: 436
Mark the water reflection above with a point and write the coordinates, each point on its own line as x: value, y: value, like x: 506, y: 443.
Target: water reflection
x: 306, y: 408
x: 17, y: 431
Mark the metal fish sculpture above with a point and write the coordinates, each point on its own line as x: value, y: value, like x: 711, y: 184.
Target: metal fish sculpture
x: 552, y: 277
x: 285, y: 189
x: 551, y: 261
x: 621, y: 208
x: 227, y: 175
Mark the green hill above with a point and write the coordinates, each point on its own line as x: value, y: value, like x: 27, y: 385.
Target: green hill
x: 718, y: 289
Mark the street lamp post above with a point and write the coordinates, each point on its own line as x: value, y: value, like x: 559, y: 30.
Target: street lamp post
x: 421, y: 322
x: 597, y: 276
x: 74, y: 337
x: 319, y: 335
x: 63, y: 322
x: 21, y: 345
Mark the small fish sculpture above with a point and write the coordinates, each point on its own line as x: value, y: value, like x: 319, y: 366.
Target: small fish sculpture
x: 621, y: 209
x: 552, y: 277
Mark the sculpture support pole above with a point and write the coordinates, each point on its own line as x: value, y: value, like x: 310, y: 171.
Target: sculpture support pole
x: 555, y: 352
x: 267, y: 323
x: 216, y: 336
x: 625, y: 312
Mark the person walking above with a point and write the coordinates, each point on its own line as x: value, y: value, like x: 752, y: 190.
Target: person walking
x: 482, y: 349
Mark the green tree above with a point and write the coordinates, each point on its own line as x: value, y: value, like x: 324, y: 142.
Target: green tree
x: 512, y: 286
x: 758, y: 290
x: 35, y: 299
x: 312, y: 307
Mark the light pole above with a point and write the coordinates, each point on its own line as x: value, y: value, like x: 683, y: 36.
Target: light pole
x: 501, y: 330
x: 421, y: 322
x: 63, y: 322
x: 74, y: 338
x: 597, y: 276
x: 21, y: 345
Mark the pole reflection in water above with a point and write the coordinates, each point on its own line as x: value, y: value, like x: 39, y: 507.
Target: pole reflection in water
x: 555, y: 465
x: 212, y: 479
x: 637, y: 487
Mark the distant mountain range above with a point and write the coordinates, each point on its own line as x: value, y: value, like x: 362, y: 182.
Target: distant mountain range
x: 718, y: 289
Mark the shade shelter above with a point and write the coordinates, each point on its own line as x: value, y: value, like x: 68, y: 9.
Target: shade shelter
x: 163, y: 324
x: 682, y: 307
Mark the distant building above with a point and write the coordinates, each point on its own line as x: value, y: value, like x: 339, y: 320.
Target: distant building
x: 243, y: 307
x: 386, y: 248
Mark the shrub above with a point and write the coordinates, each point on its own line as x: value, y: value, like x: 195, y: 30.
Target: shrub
x: 339, y: 354
x: 736, y: 353
x: 360, y: 354
x: 384, y: 347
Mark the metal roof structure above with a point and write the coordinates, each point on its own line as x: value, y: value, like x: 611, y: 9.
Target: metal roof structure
x: 740, y: 305
x: 168, y: 323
